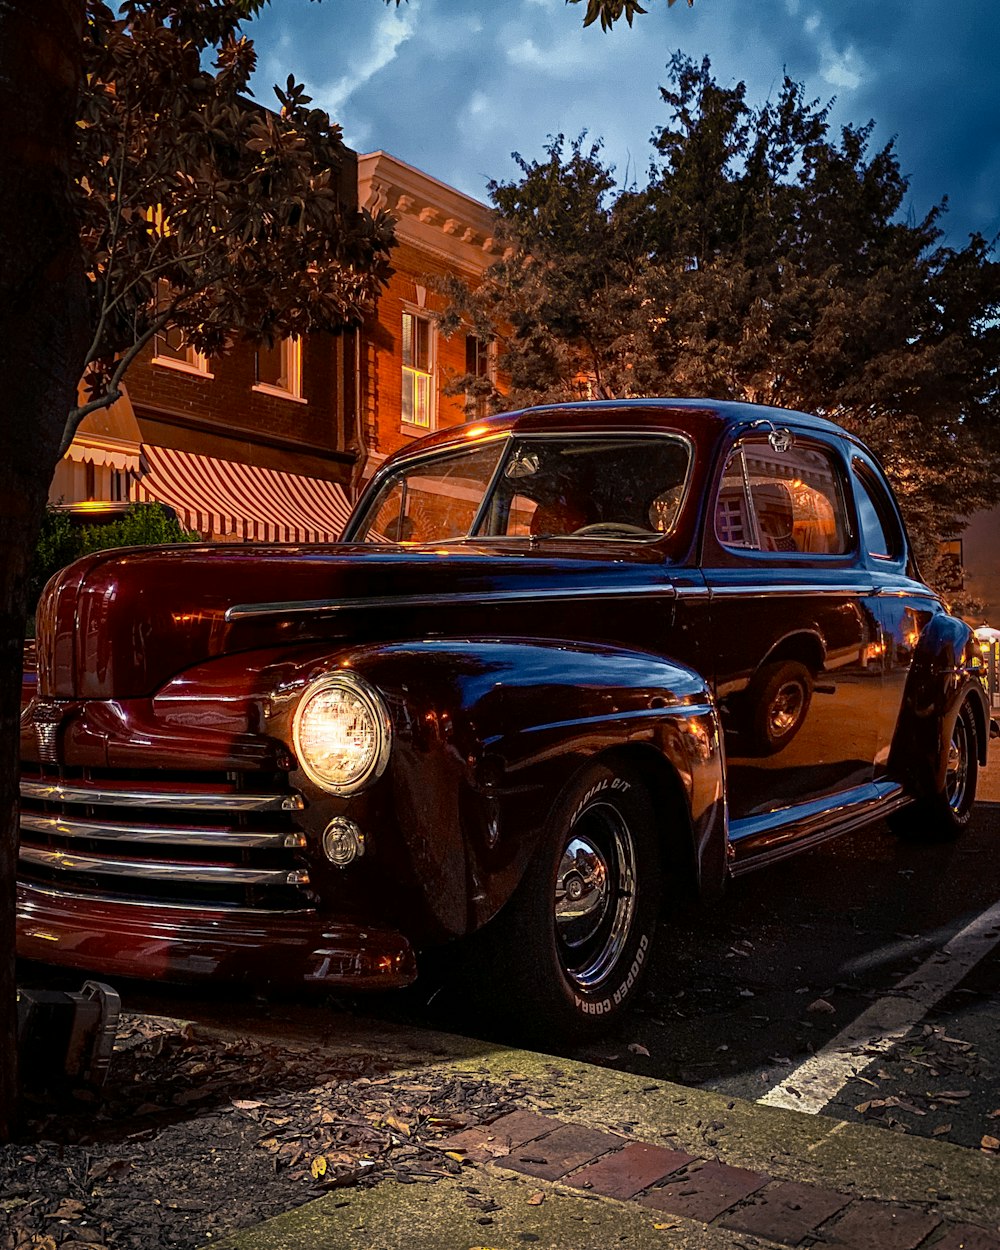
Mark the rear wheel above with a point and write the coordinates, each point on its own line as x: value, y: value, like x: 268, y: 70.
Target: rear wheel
x: 568, y: 951
x: 946, y: 814
x: 777, y: 701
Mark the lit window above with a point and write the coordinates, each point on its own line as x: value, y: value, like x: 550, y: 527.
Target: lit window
x: 278, y: 368
x: 417, y: 406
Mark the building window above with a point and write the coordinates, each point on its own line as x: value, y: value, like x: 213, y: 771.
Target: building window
x: 417, y: 407
x: 278, y: 368
x: 170, y: 348
x: 480, y: 367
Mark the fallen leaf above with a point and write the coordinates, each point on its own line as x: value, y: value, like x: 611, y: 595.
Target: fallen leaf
x: 68, y: 1209
x: 536, y: 1199
x: 391, y: 1121
x: 990, y: 1143
x: 820, y: 1004
x: 941, y: 1130
x: 638, y: 1049
x: 246, y: 1104
x: 318, y: 1167
x: 951, y: 1093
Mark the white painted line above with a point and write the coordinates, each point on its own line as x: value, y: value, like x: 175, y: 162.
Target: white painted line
x: 818, y: 1080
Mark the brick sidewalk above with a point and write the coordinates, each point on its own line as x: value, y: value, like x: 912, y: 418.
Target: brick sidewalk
x: 704, y: 1189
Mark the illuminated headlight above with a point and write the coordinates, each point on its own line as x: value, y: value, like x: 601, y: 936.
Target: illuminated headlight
x: 341, y: 733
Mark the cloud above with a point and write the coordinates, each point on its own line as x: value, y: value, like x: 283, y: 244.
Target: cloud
x: 841, y: 69
x: 386, y: 38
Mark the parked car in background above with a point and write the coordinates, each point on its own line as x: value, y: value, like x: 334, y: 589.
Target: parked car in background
x: 567, y: 664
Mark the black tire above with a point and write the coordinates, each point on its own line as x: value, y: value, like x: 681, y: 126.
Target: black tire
x: 777, y: 702
x: 943, y: 816
x: 566, y: 955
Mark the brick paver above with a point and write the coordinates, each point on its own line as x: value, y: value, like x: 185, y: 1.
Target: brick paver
x: 785, y: 1212
x: 552, y: 1156
x: 705, y: 1191
x: 870, y: 1225
x: 624, y: 1173
x: 522, y: 1126
x: 967, y: 1237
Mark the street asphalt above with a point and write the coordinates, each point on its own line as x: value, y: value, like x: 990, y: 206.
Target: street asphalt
x: 597, y: 1159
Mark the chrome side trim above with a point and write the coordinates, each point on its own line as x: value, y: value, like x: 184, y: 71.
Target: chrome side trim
x: 208, y: 874
x: 154, y: 834
x: 766, y: 592
x: 322, y: 607
x: 54, y: 792
x: 32, y: 888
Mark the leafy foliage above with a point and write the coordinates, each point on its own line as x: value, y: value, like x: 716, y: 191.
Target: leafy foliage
x: 609, y: 11
x: 766, y: 259
x: 62, y: 540
x: 199, y: 209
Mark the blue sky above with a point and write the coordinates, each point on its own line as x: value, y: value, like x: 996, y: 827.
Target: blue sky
x: 454, y: 86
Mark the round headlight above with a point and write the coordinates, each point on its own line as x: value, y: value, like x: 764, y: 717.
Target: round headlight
x: 341, y: 733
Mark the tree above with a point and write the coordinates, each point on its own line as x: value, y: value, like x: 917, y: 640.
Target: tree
x: 143, y: 190
x: 46, y: 329
x: 609, y: 11
x: 765, y: 259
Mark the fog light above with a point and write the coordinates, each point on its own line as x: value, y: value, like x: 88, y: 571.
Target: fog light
x: 343, y: 841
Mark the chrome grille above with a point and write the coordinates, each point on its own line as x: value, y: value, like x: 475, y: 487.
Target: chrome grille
x: 214, y: 840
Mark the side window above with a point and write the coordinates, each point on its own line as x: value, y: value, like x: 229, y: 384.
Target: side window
x: 880, y: 533
x: 781, y: 501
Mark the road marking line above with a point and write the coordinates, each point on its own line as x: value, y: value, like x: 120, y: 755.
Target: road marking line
x: 818, y: 1080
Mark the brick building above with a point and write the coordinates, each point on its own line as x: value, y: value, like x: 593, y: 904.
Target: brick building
x: 406, y: 362
x: 272, y: 444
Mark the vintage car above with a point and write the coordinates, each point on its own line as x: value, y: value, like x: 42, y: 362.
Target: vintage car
x: 568, y: 664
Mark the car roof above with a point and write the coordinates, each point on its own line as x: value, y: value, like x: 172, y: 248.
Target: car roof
x: 694, y: 416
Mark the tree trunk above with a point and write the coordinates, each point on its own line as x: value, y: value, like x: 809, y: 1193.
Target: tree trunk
x: 43, y: 343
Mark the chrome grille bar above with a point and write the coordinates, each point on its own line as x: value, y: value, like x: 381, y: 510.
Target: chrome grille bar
x: 173, y: 800
x: 138, y: 870
x: 60, y: 826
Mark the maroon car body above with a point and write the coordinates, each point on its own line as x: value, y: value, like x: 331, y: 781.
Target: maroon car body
x: 566, y: 660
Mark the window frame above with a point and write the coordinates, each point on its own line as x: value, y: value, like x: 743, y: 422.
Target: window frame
x: 868, y: 479
x: 291, y: 349
x: 757, y: 554
x: 193, y: 361
x: 413, y: 374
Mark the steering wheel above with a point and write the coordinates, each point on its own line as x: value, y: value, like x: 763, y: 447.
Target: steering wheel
x: 610, y: 528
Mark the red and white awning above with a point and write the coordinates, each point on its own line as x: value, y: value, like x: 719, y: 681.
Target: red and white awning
x: 242, y: 501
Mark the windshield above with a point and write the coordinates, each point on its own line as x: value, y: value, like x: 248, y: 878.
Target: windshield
x: 612, y: 486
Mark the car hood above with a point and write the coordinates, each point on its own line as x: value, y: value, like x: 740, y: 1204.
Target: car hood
x: 119, y: 624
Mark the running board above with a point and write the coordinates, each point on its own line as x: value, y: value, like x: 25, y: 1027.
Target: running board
x: 757, y: 841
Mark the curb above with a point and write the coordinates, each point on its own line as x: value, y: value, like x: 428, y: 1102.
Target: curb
x: 682, y: 1166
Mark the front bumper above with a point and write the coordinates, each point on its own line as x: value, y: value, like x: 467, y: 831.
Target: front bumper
x: 189, y: 945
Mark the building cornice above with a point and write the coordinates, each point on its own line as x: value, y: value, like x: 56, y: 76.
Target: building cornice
x: 430, y: 214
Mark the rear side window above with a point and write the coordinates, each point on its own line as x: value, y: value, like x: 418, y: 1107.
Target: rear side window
x: 880, y: 533
x: 782, y: 501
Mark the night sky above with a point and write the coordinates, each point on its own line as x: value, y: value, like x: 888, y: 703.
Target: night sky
x: 454, y: 86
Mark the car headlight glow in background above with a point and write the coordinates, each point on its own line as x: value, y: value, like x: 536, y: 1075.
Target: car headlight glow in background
x: 341, y: 733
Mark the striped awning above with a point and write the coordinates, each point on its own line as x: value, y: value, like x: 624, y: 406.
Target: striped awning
x: 242, y: 501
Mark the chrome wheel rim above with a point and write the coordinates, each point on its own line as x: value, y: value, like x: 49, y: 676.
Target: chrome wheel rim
x: 786, y: 708
x: 594, y: 903
x: 957, y: 775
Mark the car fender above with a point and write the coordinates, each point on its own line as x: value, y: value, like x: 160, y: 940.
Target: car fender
x: 944, y: 672
x: 487, y: 733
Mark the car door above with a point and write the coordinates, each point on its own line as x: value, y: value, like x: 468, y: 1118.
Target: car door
x: 793, y: 631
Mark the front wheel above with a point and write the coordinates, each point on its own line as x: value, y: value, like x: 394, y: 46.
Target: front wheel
x: 567, y: 953
x: 945, y: 815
